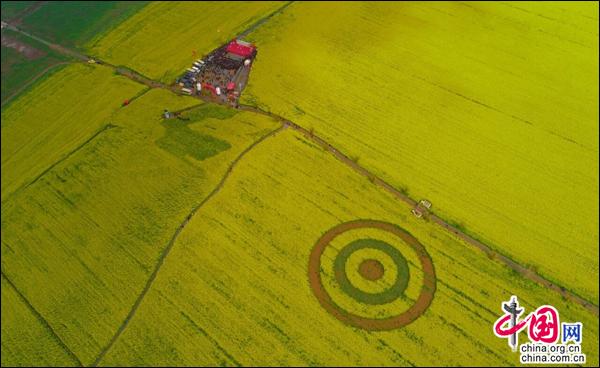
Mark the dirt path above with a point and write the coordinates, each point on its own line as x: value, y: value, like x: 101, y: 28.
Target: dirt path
x: 169, y: 246
x: 126, y: 72
x: 28, y: 51
x: 43, y: 321
x: 58, y: 48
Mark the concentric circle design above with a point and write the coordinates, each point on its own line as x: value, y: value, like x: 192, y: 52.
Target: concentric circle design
x: 372, y: 270
x: 383, y: 297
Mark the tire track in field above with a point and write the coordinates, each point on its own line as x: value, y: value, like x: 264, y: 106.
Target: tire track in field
x: 43, y: 321
x: 171, y: 242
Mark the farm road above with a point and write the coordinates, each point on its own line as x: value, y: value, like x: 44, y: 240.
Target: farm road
x: 131, y: 74
x: 376, y: 180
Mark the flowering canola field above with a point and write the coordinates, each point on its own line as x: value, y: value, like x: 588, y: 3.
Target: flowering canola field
x: 164, y: 38
x: 489, y: 110
x: 42, y: 127
x: 81, y: 242
x: 234, y: 289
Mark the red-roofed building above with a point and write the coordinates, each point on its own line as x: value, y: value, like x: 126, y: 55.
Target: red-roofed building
x: 241, y: 48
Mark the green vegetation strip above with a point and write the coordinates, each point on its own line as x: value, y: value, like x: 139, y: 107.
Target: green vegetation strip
x: 74, y: 23
x: 384, y: 297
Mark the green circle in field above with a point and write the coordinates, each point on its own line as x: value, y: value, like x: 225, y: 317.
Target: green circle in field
x: 384, y: 297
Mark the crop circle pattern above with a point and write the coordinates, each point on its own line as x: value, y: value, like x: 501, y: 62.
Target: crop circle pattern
x: 420, y: 305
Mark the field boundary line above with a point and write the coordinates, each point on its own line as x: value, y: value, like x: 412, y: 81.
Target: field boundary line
x: 491, y: 253
x: 254, y: 26
x: 18, y: 18
x: 53, y: 46
x: 42, y: 320
x: 32, y: 80
x: 25, y: 186
x: 171, y: 243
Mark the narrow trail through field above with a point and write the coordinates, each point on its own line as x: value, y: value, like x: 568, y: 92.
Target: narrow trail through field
x: 42, y: 320
x: 376, y: 180
x: 169, y: 246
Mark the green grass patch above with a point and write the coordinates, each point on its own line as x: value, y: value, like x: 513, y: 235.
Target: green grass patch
x: 180, y: 140
x: 73, y: 23
x: 12, y: 8
x: 19, y: 70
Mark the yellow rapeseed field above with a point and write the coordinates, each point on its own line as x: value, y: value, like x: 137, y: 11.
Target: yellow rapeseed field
x: 489, y: 110
x: 48, y: 122
x: 164, y: 38
x: 234, y: 289
x: 23, y: 334
x: 81, y: 242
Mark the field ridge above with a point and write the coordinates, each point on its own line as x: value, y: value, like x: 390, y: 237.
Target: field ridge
x: 32, y: 80
x: 169, y: 246
x: 42, y: 320
x: 95, y: 135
